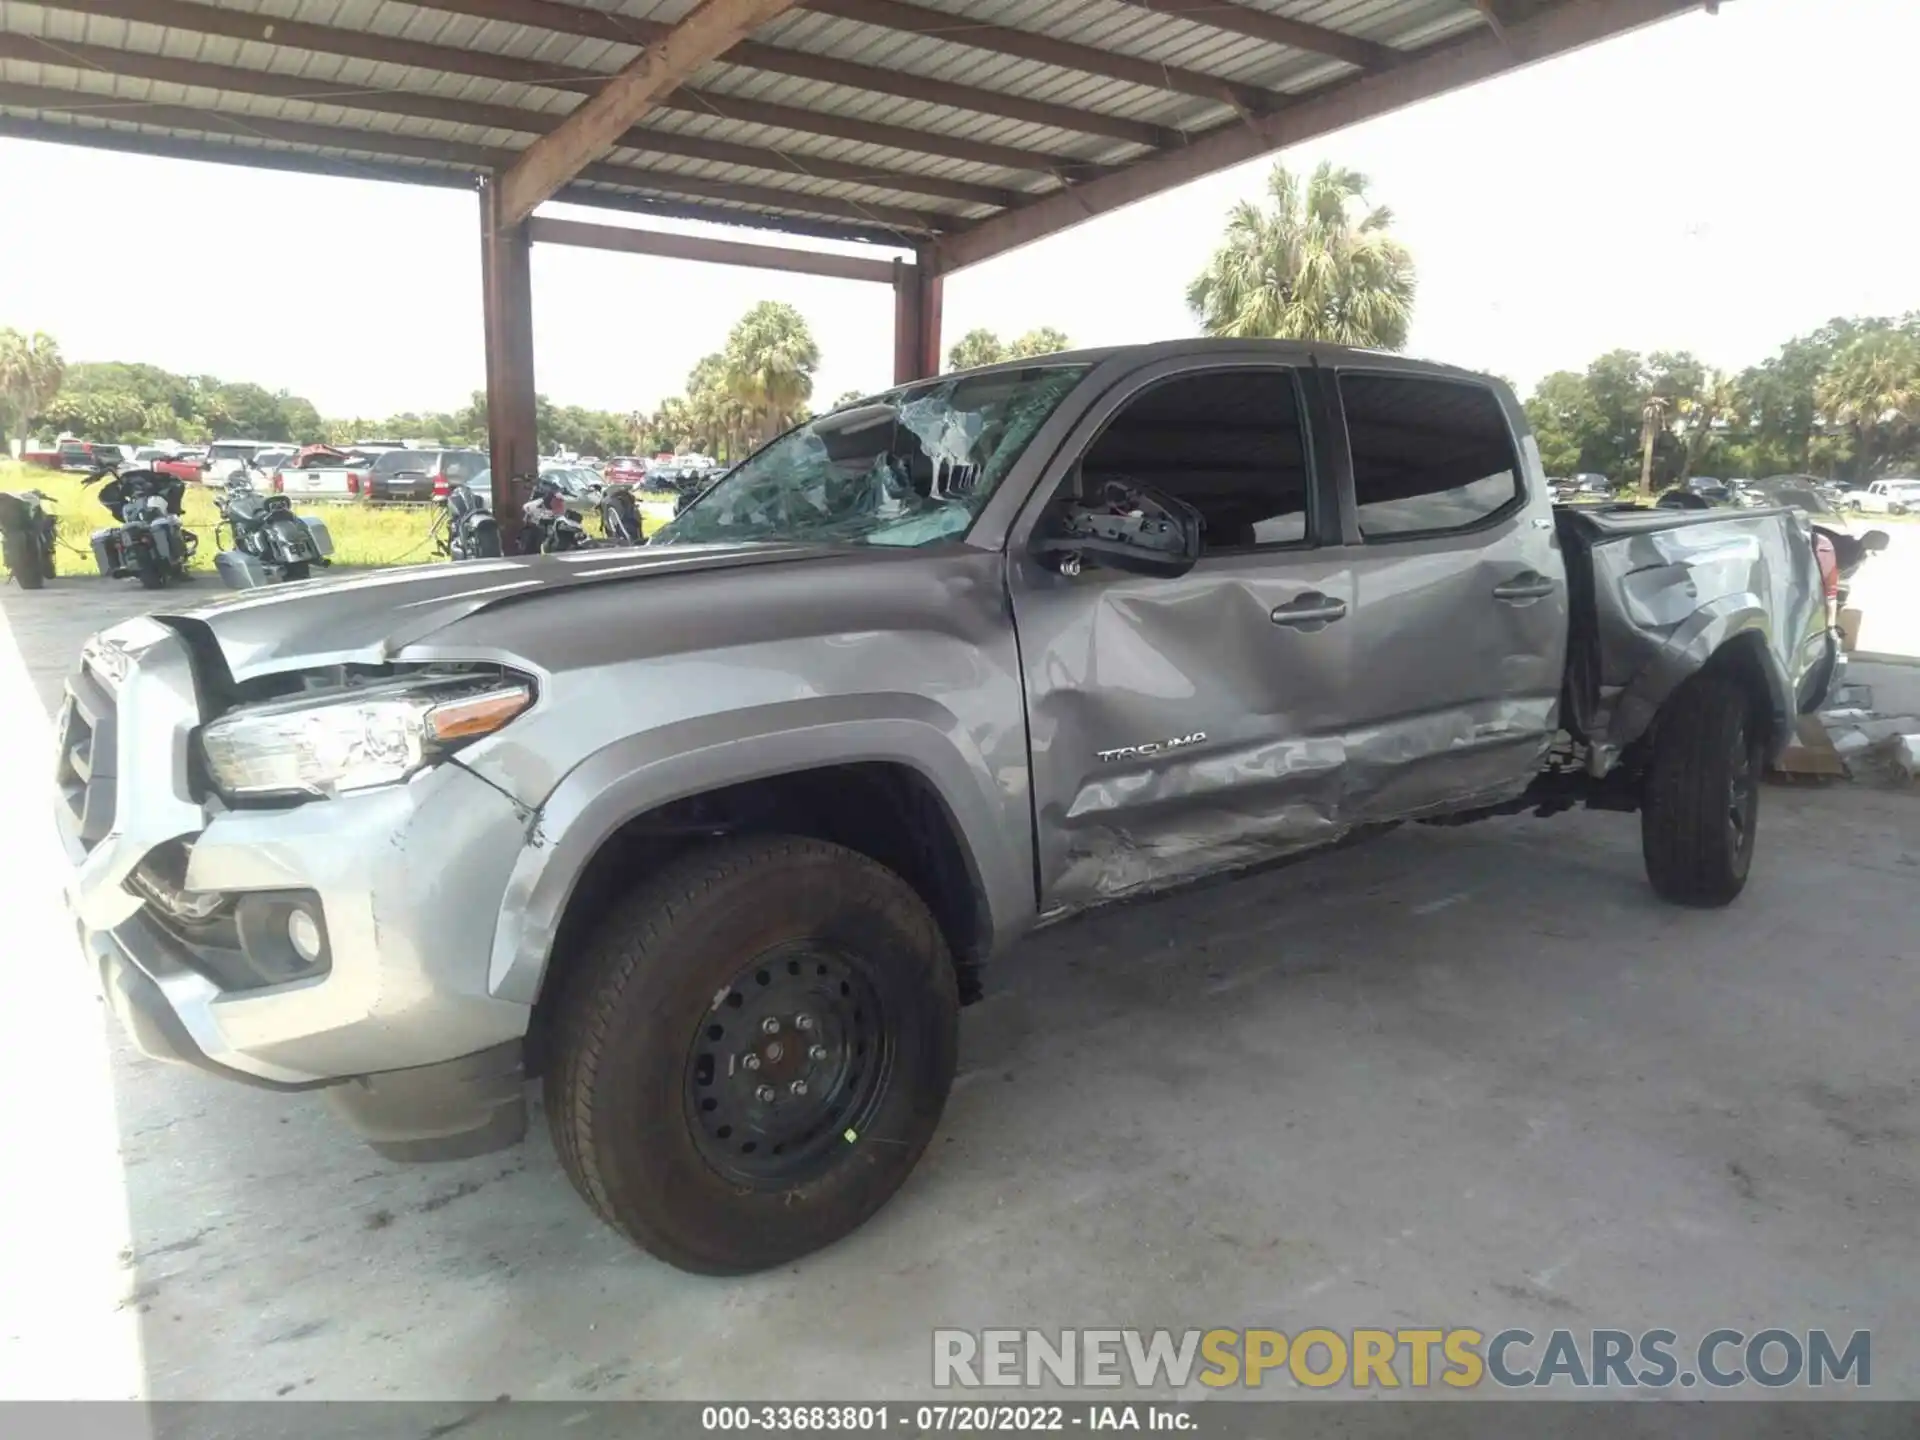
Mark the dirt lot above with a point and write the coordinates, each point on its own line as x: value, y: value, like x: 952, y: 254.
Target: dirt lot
x: 1473, y: 1076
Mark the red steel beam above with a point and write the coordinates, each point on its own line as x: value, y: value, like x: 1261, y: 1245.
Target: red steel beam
x: 755, y: 55
x: 196, y: 18
x: 594, y: 128
x: 546, y: 230
x: 449, y: 152
x: 353, y: 167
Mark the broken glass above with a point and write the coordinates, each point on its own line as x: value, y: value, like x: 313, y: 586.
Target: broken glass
x: 910, y: 467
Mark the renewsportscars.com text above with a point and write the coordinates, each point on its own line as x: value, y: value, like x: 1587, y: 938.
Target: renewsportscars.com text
x: 1459, y: 1358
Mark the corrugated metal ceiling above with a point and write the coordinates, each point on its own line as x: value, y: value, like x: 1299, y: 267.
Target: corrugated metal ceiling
x: 894, y: 120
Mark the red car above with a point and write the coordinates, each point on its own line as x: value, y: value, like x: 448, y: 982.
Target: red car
x: 626, y: 470
x: 181, y: 469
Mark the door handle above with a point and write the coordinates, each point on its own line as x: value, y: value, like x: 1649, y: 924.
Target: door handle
x: 1311, y: 611
x: 1524, y: 587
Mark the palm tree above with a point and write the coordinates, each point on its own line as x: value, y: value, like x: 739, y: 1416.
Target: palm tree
x: 1717, y: 401
x: 770, y: 358
x: 1873, y: 386
x: 1308, y: 268
x: 976, y: 347
x: 30, y: 374
x: 1042, y: 341
x: 1653, y: 419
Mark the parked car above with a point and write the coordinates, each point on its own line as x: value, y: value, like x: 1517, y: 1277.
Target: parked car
x: 579, y: 486
x: 224, y: 457
x: 626, y: 470
x: 1714, y: 492
x: 189, y: 467
x: 922, y: 675
x: 421, y: 475
x: 1811, y: 497
x: 91, y: 455
x: 1885, y: 497
x: 320, y: 472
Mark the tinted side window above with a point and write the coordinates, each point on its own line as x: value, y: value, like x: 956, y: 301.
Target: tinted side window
x: 392, y: 462
x: 1428, y: 455
x: 461, y: 464
x: 1228, y: 442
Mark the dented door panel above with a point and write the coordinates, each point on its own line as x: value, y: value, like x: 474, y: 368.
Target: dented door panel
x: 1175, y: 728
x: 1458, y: 691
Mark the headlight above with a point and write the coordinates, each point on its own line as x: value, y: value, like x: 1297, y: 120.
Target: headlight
x: 352, y: 739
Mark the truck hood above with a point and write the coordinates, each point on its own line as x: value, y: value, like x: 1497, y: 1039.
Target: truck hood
x: 370, y: 618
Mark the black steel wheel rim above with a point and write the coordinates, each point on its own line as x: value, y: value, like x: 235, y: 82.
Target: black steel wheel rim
x: 1743, y: 795
x: 787, y: 1066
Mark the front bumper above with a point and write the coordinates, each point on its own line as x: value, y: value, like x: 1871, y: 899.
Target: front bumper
x: 409, y: 878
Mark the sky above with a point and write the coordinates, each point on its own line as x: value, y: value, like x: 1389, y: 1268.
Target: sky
x: 1715, y: 183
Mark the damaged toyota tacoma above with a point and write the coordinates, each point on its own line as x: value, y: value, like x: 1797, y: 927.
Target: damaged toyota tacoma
x: 714, y: 837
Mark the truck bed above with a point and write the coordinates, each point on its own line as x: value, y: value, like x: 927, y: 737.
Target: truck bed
x: 1656, y: 594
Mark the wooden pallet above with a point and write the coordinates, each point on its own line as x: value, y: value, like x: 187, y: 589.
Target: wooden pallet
x: 1811, y: 758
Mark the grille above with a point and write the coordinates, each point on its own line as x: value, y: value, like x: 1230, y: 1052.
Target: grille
x: 85, y: 769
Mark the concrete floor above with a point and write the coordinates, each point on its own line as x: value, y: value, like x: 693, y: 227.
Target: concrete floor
x: 1474, y: 1076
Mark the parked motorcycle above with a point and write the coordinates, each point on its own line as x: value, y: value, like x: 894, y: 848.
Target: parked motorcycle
x: 464, y: 528
x: 620, y: 516
x: 265, y: 542
x: 548, y: 527
x: 150, y: 543
x: 27, y: 537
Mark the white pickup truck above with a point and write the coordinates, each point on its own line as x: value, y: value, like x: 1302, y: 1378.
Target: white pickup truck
x: 1886, y: 497
x: 319, y: 474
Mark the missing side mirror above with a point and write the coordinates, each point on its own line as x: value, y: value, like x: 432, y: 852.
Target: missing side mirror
x: 1129, y: 528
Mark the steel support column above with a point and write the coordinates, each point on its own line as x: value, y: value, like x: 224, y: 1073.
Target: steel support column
x: 507, y: 298
x: 916, y: 322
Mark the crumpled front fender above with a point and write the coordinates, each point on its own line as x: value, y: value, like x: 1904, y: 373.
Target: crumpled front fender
x: 641, y: 773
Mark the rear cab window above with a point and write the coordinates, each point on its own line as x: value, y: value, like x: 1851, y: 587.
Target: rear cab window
x: 1431, y: 456
x: 398, y: 462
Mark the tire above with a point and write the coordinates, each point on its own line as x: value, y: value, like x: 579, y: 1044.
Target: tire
x: 486, y: 543
x: 23, y: 561
x: 1702, y: 804
x: 48, y: 569
x: 646, y: 1068
x: 148, y: 570
x: 298, y: 570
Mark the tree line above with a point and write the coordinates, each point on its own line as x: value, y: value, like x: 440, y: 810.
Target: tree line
x: 758, y: 383
x: 1314, y: 259
x: 1842, y: 402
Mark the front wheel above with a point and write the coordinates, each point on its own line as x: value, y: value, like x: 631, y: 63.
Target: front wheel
x: 753, y: 1053
x: 1702, y: 802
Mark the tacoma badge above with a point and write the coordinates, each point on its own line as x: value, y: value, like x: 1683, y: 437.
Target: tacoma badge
x: 1152, y: 747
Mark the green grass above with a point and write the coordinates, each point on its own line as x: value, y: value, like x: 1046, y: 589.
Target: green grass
x: 364, y: 536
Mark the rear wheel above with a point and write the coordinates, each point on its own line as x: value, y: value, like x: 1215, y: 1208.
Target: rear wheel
x: 485, y: 542
x: 23, y: 561
x: 753, y: 1053
x: 299, y: 570
x: 147, y: 568
x: 47, y: 567
x: 1702, y: 804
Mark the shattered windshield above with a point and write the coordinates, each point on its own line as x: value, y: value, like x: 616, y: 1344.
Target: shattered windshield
x: 910, y: 467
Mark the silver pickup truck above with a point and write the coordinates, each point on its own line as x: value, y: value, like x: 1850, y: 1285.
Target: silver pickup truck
x: 715, y: 836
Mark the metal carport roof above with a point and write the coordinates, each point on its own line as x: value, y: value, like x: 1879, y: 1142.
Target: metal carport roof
x: 952, y: 129
x: 962, y: 125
